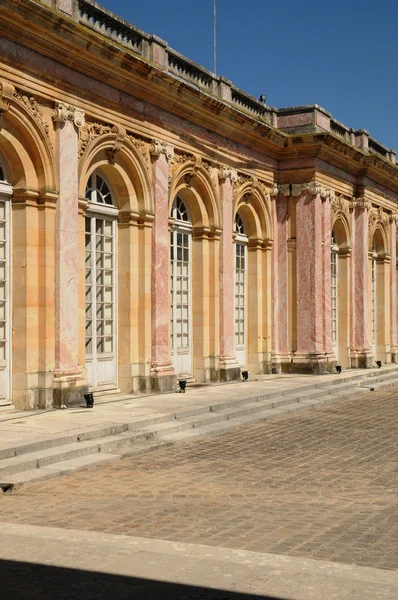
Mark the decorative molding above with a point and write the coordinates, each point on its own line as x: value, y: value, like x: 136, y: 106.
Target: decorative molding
x: 240, y: 180
x: 120, y: 133
x: 89, y: 132
x: 377, y: 219
x: 7, y: 91
x: 67, y: 112
x: 143, y: 149
x: 340, y: 206
x: 34, y: 108
x: 195, y: 164
x: 159, y: 147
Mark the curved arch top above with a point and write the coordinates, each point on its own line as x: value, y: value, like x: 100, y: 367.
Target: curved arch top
x: 125, y: 169
x: 194, y: 185
x: 254, y: 205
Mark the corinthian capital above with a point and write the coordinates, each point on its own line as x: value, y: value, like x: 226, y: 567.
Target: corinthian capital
x: 158, y: 147
x: 66, y: 112
x: 6, y: 93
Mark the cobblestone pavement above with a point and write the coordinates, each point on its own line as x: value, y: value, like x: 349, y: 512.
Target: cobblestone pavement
x: 321, y: 484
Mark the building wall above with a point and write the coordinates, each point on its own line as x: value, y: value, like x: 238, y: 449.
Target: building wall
x: 60, y: 125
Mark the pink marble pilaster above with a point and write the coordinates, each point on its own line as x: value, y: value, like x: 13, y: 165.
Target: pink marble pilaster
x: 393, y: 287
x: 327, y: 277
x: 310, y: 268
x: 227, y: 256
x: 280, y: 336
x: 67, y: 121
x: 161, y: 364
x: 360, y: 321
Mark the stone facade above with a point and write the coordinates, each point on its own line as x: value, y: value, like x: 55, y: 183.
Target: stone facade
x: 160, y: 224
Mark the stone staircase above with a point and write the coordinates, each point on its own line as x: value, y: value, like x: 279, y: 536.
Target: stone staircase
x: 67, y: 453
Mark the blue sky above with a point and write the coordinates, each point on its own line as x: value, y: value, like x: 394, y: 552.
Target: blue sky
x: 340, y: 55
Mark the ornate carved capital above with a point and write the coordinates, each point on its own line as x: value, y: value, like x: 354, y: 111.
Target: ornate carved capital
x: 394, y: 217
x: 66, y: 112
x: 121, y: 135
x: 225, y: 173
x: 6, y: 93
x: 284, y: 189
x: 158, y: 147
x: 274, y: 191
x: 362, y: 204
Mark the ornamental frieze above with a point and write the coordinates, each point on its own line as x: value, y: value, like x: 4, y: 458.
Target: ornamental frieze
x: 239, y: 180
x: 377, y: 218
x: 89, y: 132
x: 143, y: 149
x: 340, y: 206
x: 34, y: 108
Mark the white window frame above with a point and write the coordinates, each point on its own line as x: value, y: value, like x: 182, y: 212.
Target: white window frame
x: 183, y: 227
x: 6, y: 193
x: 241, y: 239
x: 102, y: 211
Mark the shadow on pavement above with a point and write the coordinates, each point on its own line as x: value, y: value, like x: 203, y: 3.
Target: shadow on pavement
x: 29, y: 581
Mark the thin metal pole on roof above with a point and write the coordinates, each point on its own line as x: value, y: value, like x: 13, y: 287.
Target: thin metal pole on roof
x: 215, y: 36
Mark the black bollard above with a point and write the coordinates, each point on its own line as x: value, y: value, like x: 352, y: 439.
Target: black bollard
x: 89, y: 398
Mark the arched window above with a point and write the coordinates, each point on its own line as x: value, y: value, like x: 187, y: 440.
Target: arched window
x: 101, y: 289
x: 180, y: 289
x: 97, y: 190
x: 241, y: 243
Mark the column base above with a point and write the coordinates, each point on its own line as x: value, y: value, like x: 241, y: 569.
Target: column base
x: 162, y: 379
x: 394, y: 354
x: 69, y: 390
x: 279, y: 360
x: 361, y: 358
x: 311, y: 364
x: 229, y: 370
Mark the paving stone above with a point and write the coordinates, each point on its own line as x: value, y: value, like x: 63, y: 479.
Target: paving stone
x: 318, y: 483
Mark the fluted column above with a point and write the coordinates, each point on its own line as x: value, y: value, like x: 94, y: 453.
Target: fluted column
x: 361, y: 352
x: 393, y: 287
x: 68, y: 381
x: 162, y: 371
x: 229, y: 367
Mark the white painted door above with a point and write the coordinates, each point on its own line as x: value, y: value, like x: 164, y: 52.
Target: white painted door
x: 101, y: 295
x: 334, y: 296
x: 5, y: 295
x: 241, y: 242
x: 180, y: 291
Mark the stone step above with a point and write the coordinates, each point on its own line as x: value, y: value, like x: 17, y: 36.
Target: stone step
x: 261, y: 415
x: 49, y: 456
x: 61, y: 468
x: 59, y: 440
